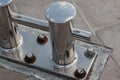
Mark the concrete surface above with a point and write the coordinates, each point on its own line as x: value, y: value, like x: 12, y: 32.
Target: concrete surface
x: 11, y: 75
x: 101, y: 17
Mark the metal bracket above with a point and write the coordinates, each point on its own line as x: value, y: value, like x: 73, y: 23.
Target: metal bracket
x: 84, y: 60
x: 44, y: 45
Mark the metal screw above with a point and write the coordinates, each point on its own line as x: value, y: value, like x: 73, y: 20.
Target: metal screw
x: 80, y: 73
x: 42, y: 39
x: 90, y: 52
x: 30, y: 58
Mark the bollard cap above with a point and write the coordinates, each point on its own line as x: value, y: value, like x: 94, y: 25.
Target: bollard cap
x: 60, y: 12
x: 4, y: 2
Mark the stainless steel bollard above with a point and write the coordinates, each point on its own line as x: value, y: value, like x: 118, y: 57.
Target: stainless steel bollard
x: 60, y: 16
x: 70, y: 58
x: 9, y: 36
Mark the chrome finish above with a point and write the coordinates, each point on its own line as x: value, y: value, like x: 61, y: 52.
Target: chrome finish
x: 44, y: 25
x: 63, y: 52
x: 43, y: 54
x: 81, y: 34
x: 60, y: 12
x: 4, y: 3
x: 29, y: 21
x: 9, y: 36
x: 60, y: 16
x: 44, y: 60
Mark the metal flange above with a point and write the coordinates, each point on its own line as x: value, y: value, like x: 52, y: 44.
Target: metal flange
x: 46, y: 46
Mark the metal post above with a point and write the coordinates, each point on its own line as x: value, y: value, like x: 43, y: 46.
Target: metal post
x: 60, y: 16
x: 9, y: 36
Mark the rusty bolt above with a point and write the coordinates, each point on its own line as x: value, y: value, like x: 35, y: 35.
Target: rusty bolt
x: 42, y: 39
x: 30, y: 58
x: 90, y: 52
x: 80, y: 73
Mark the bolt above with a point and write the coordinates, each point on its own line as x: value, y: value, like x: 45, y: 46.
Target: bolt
x: 90, y: 52
x: 80, y: 73
x: 30, y: 58
x: 42, y: 39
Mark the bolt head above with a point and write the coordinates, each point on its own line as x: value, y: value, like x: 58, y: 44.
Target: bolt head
x: 90, y: 52
x: 42, y: 39
x: 80, y: 73
x: 30, y: 58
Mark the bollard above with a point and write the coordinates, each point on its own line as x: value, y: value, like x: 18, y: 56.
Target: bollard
x: 9, y: 36
x: 60, y: 16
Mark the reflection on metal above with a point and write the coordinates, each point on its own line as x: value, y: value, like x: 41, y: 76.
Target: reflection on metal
x: 81, y: 35
x: 4, y: 3
x: 43, y: 54
x: 60, y: 16
x: 9, y: 36
x: 29, y: 21
x: 63, y: 51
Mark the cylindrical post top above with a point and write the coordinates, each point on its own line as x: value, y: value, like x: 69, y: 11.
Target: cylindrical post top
x: 4, y: 2
x: 60, y: 12
x: 60, y: 16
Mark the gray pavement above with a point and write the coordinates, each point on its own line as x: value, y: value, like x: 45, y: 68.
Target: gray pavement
x: 6, y: 74
x: 101, y: 17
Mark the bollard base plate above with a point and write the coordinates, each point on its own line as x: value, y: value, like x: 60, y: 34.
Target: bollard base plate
x: 43, y: 55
